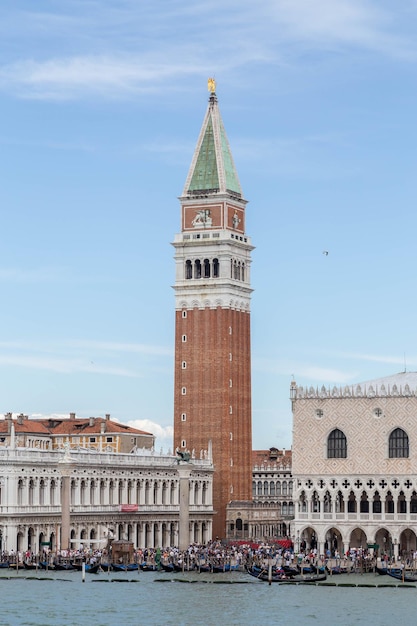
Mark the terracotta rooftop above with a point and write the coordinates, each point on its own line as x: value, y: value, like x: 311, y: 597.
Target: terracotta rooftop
x: 68, y: 426
x: 89, y: 426
x: 273, y: 456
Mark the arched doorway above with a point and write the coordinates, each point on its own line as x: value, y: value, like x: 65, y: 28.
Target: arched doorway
x: 408, y: 544
x: 358, y: 538
x: 383, y: 539
x: 333, y: 542
x: 308, y: 539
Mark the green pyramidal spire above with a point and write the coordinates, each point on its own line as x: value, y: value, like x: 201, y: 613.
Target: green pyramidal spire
x: 212, y: 169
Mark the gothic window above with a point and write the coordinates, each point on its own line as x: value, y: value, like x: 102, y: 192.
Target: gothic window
x: 254, y: 489
x: 188, y: 270
x: 216, y: 268
x: 272, y: 488
x: 398, y: 444
x: 315, y: 503
x: 259, y: 488
x: 402, y: 503
x: 206, y: 268
x: 389, y: 503
x: 302, y: 505
x: 284, y: 488
x: 376, y: 504
x: 327, y: 503
x: 243, y: 271
x: 364, y: 504
x: 197, y: 268
x: 336, y: 445
x: 266, y: 489
x: 413, y: 503
x: 340, y: 503
x: 278, y: 488
x: 352, y: 503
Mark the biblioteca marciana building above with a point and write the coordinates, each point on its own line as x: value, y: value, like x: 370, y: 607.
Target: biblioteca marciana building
x: 355, y: 465
x: 111, y: 479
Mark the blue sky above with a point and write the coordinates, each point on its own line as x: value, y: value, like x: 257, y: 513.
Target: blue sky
x: 101, y: 105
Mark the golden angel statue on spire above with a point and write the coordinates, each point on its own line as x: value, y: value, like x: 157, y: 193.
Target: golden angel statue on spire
x: 211, y: 84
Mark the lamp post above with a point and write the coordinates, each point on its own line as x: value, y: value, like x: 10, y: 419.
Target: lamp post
x: 298, y: 542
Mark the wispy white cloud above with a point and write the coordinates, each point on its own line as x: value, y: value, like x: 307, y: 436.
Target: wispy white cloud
x: 64, y: 365
x: 297, y: 370
x: 164, y: 434
x: 127, y: 50
x: 75, y: 356
x: 378, y: 358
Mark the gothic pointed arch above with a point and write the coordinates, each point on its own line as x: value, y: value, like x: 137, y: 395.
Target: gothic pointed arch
x: 336, y: 445
x: 398, y: 444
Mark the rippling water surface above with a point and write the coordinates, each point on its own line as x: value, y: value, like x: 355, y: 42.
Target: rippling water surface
x: 57, y: 599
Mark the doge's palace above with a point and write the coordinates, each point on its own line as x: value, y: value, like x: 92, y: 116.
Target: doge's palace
x: 355, y: 465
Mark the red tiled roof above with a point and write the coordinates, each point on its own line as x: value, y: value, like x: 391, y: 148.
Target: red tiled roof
x: 86, y: 426
x: 273, y: 456
x: 27, y: 426
x: 69, y: 426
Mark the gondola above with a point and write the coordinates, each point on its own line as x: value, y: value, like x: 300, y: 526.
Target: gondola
x: 168, y: 567
x: 226, y: 567
x: 383, y: 571
x: 64, y: 567
x: 280, y: 577
x: 121, y: 567
x: 89, y: 567
x: 405, y: 577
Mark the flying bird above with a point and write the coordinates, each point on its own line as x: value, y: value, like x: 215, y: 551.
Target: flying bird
x: 325, y: 252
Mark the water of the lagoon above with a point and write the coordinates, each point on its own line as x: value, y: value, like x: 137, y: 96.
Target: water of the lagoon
x: 62, y: 599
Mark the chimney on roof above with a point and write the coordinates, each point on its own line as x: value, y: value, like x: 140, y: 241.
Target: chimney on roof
x: 107, y: 417
x: 8, y: 416
x: 72, y: 416
x: 102, y: 427
x: 92, y: 421
x: 20, y: 419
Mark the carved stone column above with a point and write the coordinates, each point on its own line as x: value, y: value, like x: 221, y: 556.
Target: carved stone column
x: 184, y: 503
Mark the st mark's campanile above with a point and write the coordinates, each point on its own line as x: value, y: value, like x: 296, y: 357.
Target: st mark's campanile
x: 212, y: 388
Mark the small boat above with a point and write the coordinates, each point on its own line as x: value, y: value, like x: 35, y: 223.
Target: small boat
x: 280, y: 577
x: 402, y: 575
x: 226, y: 567
x: 46, y: 565
x: 168, y: 567
x: 122, y: 567
x: 4, y: 564
x: 64, y: 567
x: 28, y: 565
x: 383, y: 571
x: 92, y: 568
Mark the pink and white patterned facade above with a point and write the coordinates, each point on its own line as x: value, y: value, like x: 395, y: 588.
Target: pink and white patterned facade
x: 355, y: 465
